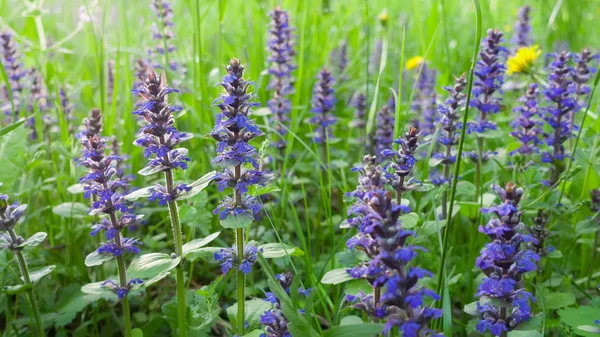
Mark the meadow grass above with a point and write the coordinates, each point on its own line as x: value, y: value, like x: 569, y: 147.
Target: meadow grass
x: 309, y: 202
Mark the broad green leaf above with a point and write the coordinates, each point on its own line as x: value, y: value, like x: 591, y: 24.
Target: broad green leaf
x: 589, y: 328
x: 256, y: 190
x: 14, y: 290
x: 96, y: 288
x: 137, y: 194
x: 558, y: 300
x: 364, y: 329
x: 524, y: 333
x: 254, y: 309
x: 432, y: 226
x: 433, y: 162
x: 204, y: 253
x: 35, y: 276
x: 75, y: 189
x: 34, y: 240
x: 355, y: 286
x: 95, y: 259
x: 197, y: 186
x: 471, y: 309
x: 75, y: 210
x: 555, y: 254
x: 336, y: 276
x: 351, y: 320
x: 423, y: 188
x: 575, y: 317
x: 275, y: 250
x: 192, y: 246
x: 149, y: 266
x: 409, y: 220
x: 137, y: 332
x: 237, y: 221
x: 150, y: 170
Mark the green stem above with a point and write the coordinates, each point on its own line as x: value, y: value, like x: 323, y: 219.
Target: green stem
x: 178, y: 242
x: 460, y: 150
x: 239, y: 234
x: 35, y: 307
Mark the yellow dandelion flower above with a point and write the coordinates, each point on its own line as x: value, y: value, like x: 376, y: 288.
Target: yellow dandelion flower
x: 414, y: 62
x: 523, y: 60
x: 383, y: 18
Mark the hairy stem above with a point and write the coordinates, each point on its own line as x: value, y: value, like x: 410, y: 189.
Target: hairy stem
x: 239, y: 239
x: 178, y: 242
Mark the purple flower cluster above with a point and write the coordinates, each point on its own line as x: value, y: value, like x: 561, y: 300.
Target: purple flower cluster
x: 489, y: 73
x: 229, y: 258
x: 281, y: 50
x: 102, y: 185
x: 122, y: 291
x: 522, y: 29
x: 10, y: 215
x: 323, y: 103
x: 13, y: 65
x: 527, y: 127
x: 382, y: 238
x: 276, y: 324
x: 424, y: 105
x: 163, y: 32
x: 559, y: 93
x: 582, y: 75
x: 384, y: 133
x: 449, y: 119
x: 504, y: 261
x: 158, y: 136
x: 339, y: 58
x: 398, y: 171
x: 234, y: 130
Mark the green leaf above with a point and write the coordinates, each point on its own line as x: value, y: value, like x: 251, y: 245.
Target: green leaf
x: 256, y: 190
x: 34, y: 240
x: 137, y: 332
x: 197, y: 186
x: 254, y: 309
x: 336, y: 276
x: 589, y: 328
x: 242, y: 220
x: 35, y: 276
x: 74, y: 210
x: 7, y: 129
x: 365, y: 329
x: 75, y: 189
x: 409, y: 220
x: 524, y: 333
x: 194, y: 245
x: 351, y: 320
x: 355, y: 286
x: 433, y: 162
x: 95, y: 259
x: 432, y: 226
x: 13, y: 150
x: 558, y: 300
x: 423, y: 188
x: 14, y: 290
x: 96, y: 288
x: 138, y: 194
x: 555, y: 254
x: 150, y: 266
x: 447, y: 310
x: 204, y: 253
x: 532, y: 324
x: 471, y: 309
x: 575, y: 317
x: 275, y: 250
x: 254, y: 333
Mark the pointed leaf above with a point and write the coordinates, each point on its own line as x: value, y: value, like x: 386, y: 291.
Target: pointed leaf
x: 35, y: 276
x: 14, y: 290
x: 34, y: 240
x: 137, y: 194
x: 336, y: 276
x: 75, y: 210
x: 197, y: 186
x: 275, y: 250
x: 196, y: 244
x: 148, y: 266
x: 95, y: 259
x: 97, y: 289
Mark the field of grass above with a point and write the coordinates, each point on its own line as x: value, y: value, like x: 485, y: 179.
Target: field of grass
x: 336, y: 243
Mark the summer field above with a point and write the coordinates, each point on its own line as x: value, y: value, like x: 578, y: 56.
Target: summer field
x: 385, y: 168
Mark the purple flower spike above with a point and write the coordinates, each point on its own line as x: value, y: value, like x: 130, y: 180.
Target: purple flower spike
x: 560, y: 93
x: 397, y: 298
x: 323, y: 104
x: 276, y: 324
x: 424, y: 105
x: 281, y: 48
x: 489, y: 77
x: 527, y: 128
x: 504, y: 261
x: 522, y: 29
x: 384, y: 133
x: 13, y: 65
